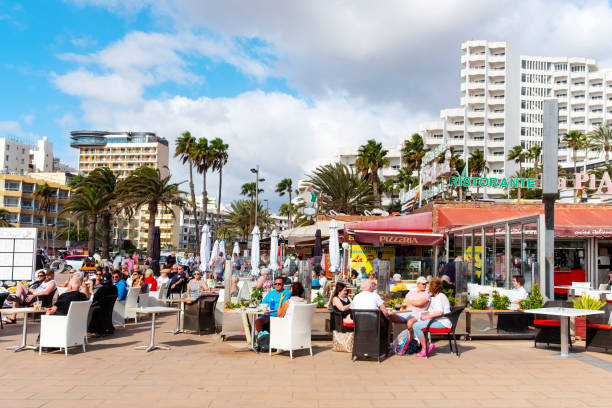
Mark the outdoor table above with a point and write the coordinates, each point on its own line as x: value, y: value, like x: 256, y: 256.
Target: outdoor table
x: 153, y: 311
x: 24, y: 311
x: 565, y: 313
x: 177, y: 329
x: 490, y: 313
x: 247, y: 311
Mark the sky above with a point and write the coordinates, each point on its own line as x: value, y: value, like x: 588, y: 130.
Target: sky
x: 285, y: 84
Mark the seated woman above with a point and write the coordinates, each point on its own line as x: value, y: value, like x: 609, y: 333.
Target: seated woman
x: 297, y: 297
x: 264, y: 280
x: 234, y: 287
x: 138, y: 282
x: 316, y: 284
x: 196, y: 286
x: 342, y: 303
x: 150, y: 280
x: 438, y: 306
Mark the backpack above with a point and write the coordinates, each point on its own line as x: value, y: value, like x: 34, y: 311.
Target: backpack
x: 263, y: 342
x: 404, y: 345
x: 292, y: 267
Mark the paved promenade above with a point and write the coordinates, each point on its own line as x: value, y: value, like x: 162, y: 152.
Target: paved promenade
x: 201, y: 371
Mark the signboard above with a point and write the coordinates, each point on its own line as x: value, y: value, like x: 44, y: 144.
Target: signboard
x: 512, y: 182
x: 434, y: 190
x: 364, y: 255
x: 432, y: 171
x: 17, y: 253
x: 409, y: 199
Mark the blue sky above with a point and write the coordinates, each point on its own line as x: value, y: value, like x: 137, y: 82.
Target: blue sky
x: 285, y: 84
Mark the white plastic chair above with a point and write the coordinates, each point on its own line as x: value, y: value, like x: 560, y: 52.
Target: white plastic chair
x: 61, y: 291
x: 120, y: 312
x: 156, y: 297
x: 244, y: 292
x: 65, y: 331
x: 293, y: 332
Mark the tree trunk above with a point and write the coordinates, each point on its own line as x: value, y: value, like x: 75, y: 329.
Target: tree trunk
x: 575, y: 159
x: 91, y: 240
x: 47, y: 227
x: 106, y: 220
x: 204, y: 199
x: 194, y: 207
x: 290, y: 215
x: 607, y: 149
x: 376, y: 192
x: 219, y: 199
x: 519, y: 188
x: 152, y: 213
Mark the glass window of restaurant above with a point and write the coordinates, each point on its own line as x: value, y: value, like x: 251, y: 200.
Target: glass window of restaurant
x: 412, y: 261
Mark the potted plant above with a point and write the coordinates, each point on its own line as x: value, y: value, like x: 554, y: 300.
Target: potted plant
x: 500, y: 302
x: 481, y: 302
x: 533, y: 301
x: 584, y: 302
x: 319, y: 300
x: 451, y: 299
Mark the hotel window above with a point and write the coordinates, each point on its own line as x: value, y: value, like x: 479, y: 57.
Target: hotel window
x: 578, y: 68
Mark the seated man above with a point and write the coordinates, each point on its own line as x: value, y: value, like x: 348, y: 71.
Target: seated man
x: 63, y: 301
x: 120, y: 284
x: 417, y: 301
x: 178, y: 280
x: 368, y: 299
x: 24, y: 297
x: 396, y: 283
x: 99, y: 322
x: 274, y: 299
x: 22, y: 290
x: 518, y: 293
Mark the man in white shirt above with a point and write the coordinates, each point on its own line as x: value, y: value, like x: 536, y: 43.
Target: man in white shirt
x: 518, y: 293
x: 367, y: 299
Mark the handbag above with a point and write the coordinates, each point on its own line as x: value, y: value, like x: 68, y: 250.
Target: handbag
x: 343, y: 342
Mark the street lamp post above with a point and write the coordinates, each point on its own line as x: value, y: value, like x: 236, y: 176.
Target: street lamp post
x: 257, y: 180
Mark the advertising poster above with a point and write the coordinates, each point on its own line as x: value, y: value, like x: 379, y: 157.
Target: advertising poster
x: 467, y: 257
x: 363, y: 255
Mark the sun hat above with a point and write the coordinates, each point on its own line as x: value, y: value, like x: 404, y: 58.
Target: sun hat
x: 397, y: 277
x: 421, y: 279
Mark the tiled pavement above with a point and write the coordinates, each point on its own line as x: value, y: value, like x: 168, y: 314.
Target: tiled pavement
x: 205, y: 372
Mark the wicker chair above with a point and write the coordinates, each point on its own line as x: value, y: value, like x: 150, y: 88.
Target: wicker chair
x: 548, y: 327
x: 599, y: 330
x: 337, y: 323
x: 371, y: 329
x: 453, y: 316
x: 200, y: 314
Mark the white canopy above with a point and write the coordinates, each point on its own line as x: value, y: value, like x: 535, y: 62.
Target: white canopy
x: 222, y: 247
x: 205, y: 249
x: 255, y: 251
x: 274, y: 251
x: 334, y: 247
x: 236, y: 249
x: 214, y: 253
x: 307, y: 233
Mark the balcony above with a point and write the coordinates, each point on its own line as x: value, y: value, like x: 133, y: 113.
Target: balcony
x: 578, y: 101
x: 476, y: 142
x: 456, y: 141
x: 495, y: 143
x: 476, y: 57
x: 497, y: 87
x: 496, y: 129
x: 391, y: 172
x: 595, y: 89
x: 580, y: 87
x: 475, y: 128
x: 454, y: 128
x: 497, y: 58
x: 496, y: 157
x: 495, y: 115
x: 472, y: 99
x: 433, y: 141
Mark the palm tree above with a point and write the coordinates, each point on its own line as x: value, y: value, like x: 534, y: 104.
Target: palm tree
x: 286, y: 186
x: 602, y: 138
x: 248, y: 190
x: 88, y: 200
x: 238, y: 218
x: 405, y: 180
x: 341, y: 190
x: 413, y: 152
x: 104, y: 179
x: 203, y: 158
x: 145, y: 186
x: 534, y: 153
x: 477, y: 165
x: 43, y: 194
x: 220, y: 153
x: 184, y: 150
x: 370, y: 158
x: 575, y: 140
x: 4, y: 218
x: 518, y: 154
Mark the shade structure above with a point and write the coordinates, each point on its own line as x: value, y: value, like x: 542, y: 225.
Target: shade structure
x: 413, y: 229
x: 274, y: 251
x: 305, y: 235
x: 318, y: 247
x: 214, y: 253
x: 222, y: 247
x: 236, y: 249
x: 255, y: 250
x: 155, y: 251
x: 334, y: 247
x: 205, y: 249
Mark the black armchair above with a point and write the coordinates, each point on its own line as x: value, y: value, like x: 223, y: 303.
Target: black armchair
x: 200, y: 314
x: 337, y: 322
x: 453, y: 316
x: 548, y: 328
x: 101, y: 316
x: 371, y: 331
x: 599, y: 331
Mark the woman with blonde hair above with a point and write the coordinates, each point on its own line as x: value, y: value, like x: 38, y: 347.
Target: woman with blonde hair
x: 438, y: 306
x: 150, y: 280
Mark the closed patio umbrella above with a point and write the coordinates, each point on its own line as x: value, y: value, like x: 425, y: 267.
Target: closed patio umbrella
x: 236, y: 249
x: 274, y: 251
x: 334, y: 247
x: 205, y: 249
x: 155, y: 251
x: 318, y: 248
x: 255, y: 251
x: 213, y: 254
x: 222, y: 248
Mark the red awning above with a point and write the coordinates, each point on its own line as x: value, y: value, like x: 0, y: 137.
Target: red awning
x: 414, y: 229
x: 404, y: 223
x: 569, y: 222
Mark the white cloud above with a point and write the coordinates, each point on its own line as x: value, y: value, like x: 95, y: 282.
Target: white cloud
x: 67, y: 121
x: 27, y: 119
x: 84, y: 41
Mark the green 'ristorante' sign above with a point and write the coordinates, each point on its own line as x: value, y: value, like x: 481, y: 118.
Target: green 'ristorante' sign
x: 511, y: 182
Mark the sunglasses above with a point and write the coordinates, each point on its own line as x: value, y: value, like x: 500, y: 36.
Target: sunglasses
x: 41, y: 276
x: 278, y: 284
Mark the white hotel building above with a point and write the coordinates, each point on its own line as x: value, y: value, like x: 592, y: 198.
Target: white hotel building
x: 502, y: 99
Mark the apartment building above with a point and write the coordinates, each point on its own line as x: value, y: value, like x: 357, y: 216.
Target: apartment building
x: 186, y: 237
x: 19, y: 157
x: 501, y: 105
x: 348, y: 157
x: 124, y: 152
x: 17, y: 197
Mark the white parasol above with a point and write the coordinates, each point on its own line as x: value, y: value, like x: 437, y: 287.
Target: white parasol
x: 334, y: 247
x: 205, y: 249
x: 236, y: 249
x: 255, y: 251
x: 222, y: 248
x: 274, y: 251
x: 214, y: 253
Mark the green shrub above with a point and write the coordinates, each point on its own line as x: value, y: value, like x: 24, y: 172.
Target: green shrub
x: 533, y: 301
x: 480, y: 303
x: 500, y: 302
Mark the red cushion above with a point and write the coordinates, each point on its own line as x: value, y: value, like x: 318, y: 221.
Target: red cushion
x: 599, y: 326
x: 435, y: 330
x: 348, y: 324
x: 547, y: 322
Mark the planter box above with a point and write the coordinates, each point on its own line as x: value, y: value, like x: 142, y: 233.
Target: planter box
x: 580, y: 327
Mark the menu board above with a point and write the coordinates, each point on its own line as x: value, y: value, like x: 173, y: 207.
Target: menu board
x: 17, y: 253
